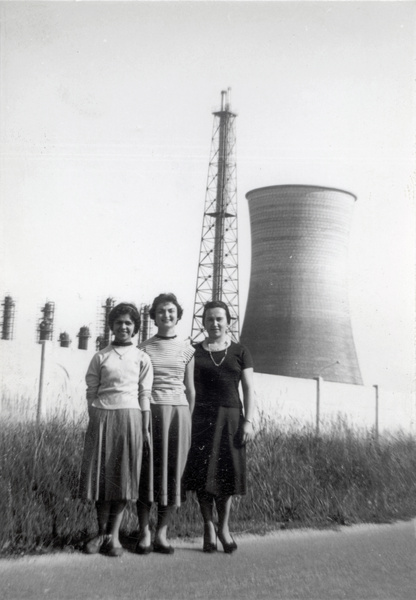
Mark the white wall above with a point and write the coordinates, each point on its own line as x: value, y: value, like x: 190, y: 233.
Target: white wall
x: 64, y: 379
x: 356, y: 403
x: 285, y: 399
x: 293, y: 401
x: 396, y: 411
x: 290, y: 401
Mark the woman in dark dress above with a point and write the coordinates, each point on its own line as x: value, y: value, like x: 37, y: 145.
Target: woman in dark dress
x: 216, y: 467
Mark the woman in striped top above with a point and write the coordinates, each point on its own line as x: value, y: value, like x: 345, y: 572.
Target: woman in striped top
x: 172, y: 404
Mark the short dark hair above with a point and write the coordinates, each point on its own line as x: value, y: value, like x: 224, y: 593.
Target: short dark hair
x: 216, y: 304
x: 162, y: 299
x: 125, y: 308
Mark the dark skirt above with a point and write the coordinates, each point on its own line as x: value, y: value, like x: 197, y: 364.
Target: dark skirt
x: 171, y: 439
x: 112, y: 456
x: 217, y: 458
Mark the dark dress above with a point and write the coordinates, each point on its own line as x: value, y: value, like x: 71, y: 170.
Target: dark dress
x: 217, y: 458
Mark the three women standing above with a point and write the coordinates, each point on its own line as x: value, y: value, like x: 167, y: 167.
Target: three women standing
x: 172, y: 403
x: 124, y: 383
x: 119, y: 382
x: 216, y: 467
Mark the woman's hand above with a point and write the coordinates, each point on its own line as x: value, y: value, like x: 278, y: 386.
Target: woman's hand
x: 248, y: 432
x: 146, y: 427
x: 146, y: 436
x: 248, y: 396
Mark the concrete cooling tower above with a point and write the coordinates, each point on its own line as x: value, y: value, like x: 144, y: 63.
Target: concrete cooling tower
x: 297, y: 320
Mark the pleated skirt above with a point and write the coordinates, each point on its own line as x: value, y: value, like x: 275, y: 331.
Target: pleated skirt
x: 217, y: 458
x: 171, y: 440
x: 112, y: 457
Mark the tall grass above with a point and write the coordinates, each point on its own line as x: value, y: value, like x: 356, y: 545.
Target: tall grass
x: 342, y: 476
x: 39, y: 471
x: 295, y: 478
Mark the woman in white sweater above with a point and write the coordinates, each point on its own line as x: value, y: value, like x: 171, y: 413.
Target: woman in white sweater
x: 119, y: 381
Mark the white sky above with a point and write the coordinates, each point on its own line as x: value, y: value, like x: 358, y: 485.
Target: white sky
x: 106, y: 122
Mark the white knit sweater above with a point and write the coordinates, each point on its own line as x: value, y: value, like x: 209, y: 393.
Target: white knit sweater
x: 119, y: 377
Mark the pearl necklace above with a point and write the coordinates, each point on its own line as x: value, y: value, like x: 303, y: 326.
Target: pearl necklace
x: 223, y: 358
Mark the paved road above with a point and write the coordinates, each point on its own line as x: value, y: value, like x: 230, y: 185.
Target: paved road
x: 366, y: 562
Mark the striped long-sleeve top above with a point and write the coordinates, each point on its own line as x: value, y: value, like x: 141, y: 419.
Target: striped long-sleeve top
x: 169, y: 358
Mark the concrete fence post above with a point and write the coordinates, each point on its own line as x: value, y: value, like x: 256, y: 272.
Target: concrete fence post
x: 319, y: 382
x: 377, y: 408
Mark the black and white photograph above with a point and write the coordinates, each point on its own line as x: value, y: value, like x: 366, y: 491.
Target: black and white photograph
x: 207, y: 299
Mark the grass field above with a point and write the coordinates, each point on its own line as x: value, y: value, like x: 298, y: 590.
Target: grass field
x: 295, y: 479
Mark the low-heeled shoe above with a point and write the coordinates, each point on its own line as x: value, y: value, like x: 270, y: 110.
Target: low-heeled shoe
x: 109, y: 550
x: 209, y: 547
x: 144, y: 549
x: 116, y: 551
x: 163, y: 549
x: 94, y: 546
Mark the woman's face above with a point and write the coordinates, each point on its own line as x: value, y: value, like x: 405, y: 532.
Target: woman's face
x: 215, y: 322
x: 123, y: 328
x: 166, y: 315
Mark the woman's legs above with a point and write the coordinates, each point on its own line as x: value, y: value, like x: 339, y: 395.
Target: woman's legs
x: 143, y: 513
x: 223, y: 504
x: 114, y: 522
x: 206, y: 505
x: 103, y: 510
x: 109, y: 517
x: 163, y: 517
x: 103, y: 513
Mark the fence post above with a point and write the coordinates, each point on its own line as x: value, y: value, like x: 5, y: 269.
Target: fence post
x: 41, y: 382
x: 377, y: 412
x: 319, y: 381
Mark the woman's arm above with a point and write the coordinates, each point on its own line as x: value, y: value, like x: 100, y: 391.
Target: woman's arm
x: 92, y: 379
x: 145, y: 426
x: 145, y: 382
x: 189, y: 384
x: 145, y: 387
x: 248, y: 401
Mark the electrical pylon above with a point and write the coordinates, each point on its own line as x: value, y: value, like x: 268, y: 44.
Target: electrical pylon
x: 217, y: 277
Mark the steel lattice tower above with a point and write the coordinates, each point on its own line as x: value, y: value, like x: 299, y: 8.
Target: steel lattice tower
x: 217, y: 277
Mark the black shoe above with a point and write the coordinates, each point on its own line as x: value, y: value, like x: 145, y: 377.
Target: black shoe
x: 109, y: 550
x: 114, y: 552
x: 144, y: 549
x: 209, y: 547
x: 94, y: 546
x: 229, y: 547
x: 161, y: 549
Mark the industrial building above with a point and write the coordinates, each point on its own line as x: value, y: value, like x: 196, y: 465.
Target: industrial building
x: 297, y: 320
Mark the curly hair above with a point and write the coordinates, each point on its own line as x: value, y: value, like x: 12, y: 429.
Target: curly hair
x: 125, y: 308
x: 162, y: 299
x: 216, y: 304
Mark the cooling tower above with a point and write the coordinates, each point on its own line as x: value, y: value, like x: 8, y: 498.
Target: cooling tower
x: 297, y: 321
